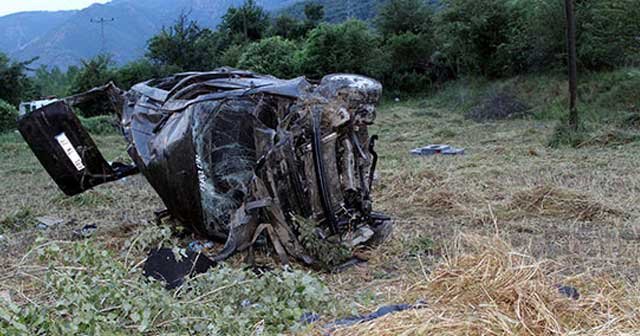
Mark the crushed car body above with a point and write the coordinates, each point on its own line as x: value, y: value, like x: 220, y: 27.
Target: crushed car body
x: 234, y: 155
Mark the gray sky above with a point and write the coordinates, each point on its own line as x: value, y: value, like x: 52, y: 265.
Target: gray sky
x: 13, y: 6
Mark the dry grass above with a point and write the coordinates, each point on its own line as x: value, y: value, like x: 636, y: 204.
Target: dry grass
x: 577, y: 209
x: 493, y: 290
x: 563, y: 203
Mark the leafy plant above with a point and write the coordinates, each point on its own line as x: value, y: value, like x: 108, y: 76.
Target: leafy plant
x: 274, y: 55
x: 91, y: 293
x: 8, y: 116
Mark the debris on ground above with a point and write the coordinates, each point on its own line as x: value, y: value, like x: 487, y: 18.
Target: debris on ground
x: 163, y: 265
x: 568, y: 291
x: 488, y: 288
x: 46, y: 222
x: 437, y: 150
x: 498, y: 105
x: 85, y: 231
x: 198, y: 246
x: 253, y: 153
x: 380, y: 312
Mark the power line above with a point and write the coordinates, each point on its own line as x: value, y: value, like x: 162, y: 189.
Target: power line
x: 102, y: 21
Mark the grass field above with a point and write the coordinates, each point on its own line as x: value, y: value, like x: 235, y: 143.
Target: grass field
x: 577, y: 208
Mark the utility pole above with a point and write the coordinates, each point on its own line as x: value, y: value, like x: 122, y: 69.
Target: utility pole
x: 573, y: 68
x: 102, y: 21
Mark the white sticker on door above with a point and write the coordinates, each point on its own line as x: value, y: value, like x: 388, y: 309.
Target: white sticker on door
x: 71, y: 152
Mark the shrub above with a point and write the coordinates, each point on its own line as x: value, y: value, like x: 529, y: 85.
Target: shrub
x: 410, y: 62
x: 403, y: 16
x: 274, y: 56
x: 347, y: 47
x: 90, y: 292
x: 135, y: 72
x: 537, y: 36
x: 472, y: 34
x: 100, y: 125
x: 608, y: 33
x: 8, y: 116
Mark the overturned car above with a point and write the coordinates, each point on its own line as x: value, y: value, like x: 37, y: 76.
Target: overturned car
x: 235, y: 156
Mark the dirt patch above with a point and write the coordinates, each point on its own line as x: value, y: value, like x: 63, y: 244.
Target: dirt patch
x: 498, y: 105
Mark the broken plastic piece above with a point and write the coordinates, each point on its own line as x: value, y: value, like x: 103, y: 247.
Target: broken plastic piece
x: 437, y: 150
x: 46, y: 222
x: 161, y: 264
x: 86, y: 231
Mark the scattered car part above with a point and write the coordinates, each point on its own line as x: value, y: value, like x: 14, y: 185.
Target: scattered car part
x: 85, y: 231
x: 437, y: 150
x: 163, y: 265
x: 46, y: 222
x: 66, y: 151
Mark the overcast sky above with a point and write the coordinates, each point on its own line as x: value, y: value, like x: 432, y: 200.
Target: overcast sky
x: 13, y: 6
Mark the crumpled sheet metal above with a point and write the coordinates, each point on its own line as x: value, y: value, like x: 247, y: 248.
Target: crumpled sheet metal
x: 234, y: 154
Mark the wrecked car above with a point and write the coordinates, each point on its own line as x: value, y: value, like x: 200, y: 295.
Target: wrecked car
x: 235, y: 156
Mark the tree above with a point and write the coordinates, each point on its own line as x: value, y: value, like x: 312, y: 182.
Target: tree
x: 94, y: 72
x: 410, y: 61
x: 404, y: 16
x: 287, y: 27
x: 274, y: 56
x: 8, y: 116
x: 14, y: 83
x: 571, y: 46
x: 249, y: 21
x: 607, y: 33
x: 137, y: 72
x: 314, y: 12
x: 347, y: 47
x: 473, y: 35
x: 53, y: 81
x: 184, y: 45
x: 536, y: 40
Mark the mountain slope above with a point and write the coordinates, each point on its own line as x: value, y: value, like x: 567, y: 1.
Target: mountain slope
x: 17, y: 30
x: 339, y: 10
x: 65, y: 38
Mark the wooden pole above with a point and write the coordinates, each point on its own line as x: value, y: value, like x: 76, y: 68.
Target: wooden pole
x: 573, y: 67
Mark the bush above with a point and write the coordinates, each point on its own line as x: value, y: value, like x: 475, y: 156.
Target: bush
x: 14, y: 83
x: 403, y: 16
x: 472, y: 34
x: 135, y: 72
x: 347, y: 47
x: 608, y: 33
x: 90, y: 292
x: 94, y: 72
x: 274, y: 56
x: 100, y: 125
x: 410, y: 62
x: 537, y: 37
x: 8, y: 116
x: 231, y: 56
x: 185, y: 46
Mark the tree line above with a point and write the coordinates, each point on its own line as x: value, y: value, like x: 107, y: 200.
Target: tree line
x: 411, y: 46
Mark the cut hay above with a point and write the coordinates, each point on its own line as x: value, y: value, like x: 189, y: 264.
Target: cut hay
x: 563, y: 203
x: 492, y: 290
